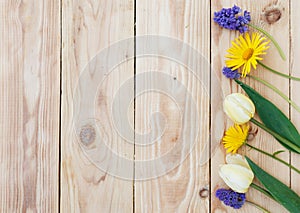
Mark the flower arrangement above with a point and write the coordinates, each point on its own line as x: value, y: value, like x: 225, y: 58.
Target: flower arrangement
x: 246, y: 54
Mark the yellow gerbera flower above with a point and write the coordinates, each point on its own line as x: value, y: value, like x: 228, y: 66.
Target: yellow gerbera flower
x: 235, y: 137
x: 246, y: 51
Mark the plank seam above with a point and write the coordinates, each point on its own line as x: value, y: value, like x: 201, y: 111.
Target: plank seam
x: 290, y: 82
x: 60, y: 108
x: 210, y: 117
x: 134, y: 102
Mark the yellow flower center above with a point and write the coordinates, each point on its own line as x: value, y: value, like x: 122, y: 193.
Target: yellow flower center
x: 248, y: 53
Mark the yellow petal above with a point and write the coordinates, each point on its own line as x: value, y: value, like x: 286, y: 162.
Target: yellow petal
x: 242, y: 44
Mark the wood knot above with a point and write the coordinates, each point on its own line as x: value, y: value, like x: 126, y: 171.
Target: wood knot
x: 204, y: 193
x: 252, y: 133
x: 272, y: 15
x: 87, y: 135
x: 175, y: 139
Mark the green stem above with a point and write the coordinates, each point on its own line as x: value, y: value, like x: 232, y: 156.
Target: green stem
x: 276, y: 135
x: 281, y: 53
x: 258, y: 207
x: 276, y: 90
x: 262, y: 190
x: 274, y: 157
x: 277, y: 72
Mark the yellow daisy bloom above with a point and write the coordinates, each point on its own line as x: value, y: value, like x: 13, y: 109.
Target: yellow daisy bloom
x: 246, y: 51
x: 235, y: 137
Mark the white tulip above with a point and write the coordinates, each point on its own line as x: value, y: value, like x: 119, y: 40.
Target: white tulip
x: 236, y: 173
x: 239, y: 108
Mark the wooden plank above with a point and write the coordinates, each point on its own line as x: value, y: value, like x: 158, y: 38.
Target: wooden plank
x: 29, y: 112
x: 88, y: 28
x: 262, y: 13
x: 295, y: 86
x: 174, y: 106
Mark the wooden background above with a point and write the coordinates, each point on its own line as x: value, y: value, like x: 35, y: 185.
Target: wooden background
x: 44, y: 47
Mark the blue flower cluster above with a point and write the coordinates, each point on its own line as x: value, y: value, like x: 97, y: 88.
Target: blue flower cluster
x: 231, y: 198
x: 229, y: 73
x: 229, y: 19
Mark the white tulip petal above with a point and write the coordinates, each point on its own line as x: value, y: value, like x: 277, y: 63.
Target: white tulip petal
x: 245, y: 102
x: 237, y: 114
x: 237, y: 159
x: 237, y: 177
x: 239, y: 108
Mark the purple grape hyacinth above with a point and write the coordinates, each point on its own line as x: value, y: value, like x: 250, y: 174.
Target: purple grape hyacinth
x: 230, y: 18
x: 231, y: 198
x: 229, y: 73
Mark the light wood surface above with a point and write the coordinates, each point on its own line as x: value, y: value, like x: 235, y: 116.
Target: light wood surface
x: 88, y: 28
x: 260, y: 11
x: 295, y: 86
x: 29, y: 112
x: 66, y: 149
x: 178, y: 190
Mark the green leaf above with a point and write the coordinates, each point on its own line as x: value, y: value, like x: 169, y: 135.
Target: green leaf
x: 278, y: 152
x: 282, y: 194
x: 273, y: 118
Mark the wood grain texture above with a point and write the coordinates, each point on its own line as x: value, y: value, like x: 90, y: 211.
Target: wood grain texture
x: 260, y: 12
x: 135, y: 131
x: 29, y: 112
x: 88, y: 28
x: 177, y: 190
x: 295, y: 86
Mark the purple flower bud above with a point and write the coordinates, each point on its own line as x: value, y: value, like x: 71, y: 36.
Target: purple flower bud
x: 231, y: 198
x: 229, y: 73
x: 230, y: 18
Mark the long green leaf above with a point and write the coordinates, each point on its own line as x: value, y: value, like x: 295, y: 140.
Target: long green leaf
x: 282, y: 194
x: 273, y: 118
